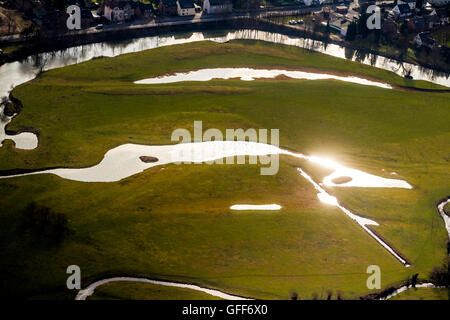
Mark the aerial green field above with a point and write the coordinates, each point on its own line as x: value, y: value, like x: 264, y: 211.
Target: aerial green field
x: 173, y: 222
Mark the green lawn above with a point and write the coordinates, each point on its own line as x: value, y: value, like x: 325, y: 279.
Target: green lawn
x: 175, y: 224
x: 423, y: 294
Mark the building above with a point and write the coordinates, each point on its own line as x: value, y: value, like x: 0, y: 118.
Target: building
x: 118, y: 11
x: 410, y: 3
x: 185, y: 8
x: 401, y: 11
x: 168, y: 7
x: 144, y: 10
x: 217, y: 6
x: 424, y: 39
x: 340, y: 25
x: 55, y: 20
x: 341, y: 9
x: 442, y: 15
x: 87, y: 18
x: 39, y: 10
x: 417, y: 24
x: 432, y: 21
x: 389, y: 28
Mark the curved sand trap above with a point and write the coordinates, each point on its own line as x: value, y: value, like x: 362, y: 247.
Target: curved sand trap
x: 23, y: 140
x: 445, y: 216
x: 255, y: 207
x: 84, y: 293
x: 404, y: 288
x: 249, y: 74
x: 124, y: 161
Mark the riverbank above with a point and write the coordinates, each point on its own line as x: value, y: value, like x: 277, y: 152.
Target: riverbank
x: 217, y: 24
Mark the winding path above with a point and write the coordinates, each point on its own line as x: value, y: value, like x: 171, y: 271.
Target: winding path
x: 405, y: 288
x: 84, y: 293
x: 444, y: 215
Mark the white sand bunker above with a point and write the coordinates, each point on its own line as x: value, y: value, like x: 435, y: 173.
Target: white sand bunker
x: 83, y: 294
x: 249, y: 74
x: 23, y: 140
x: 255, y: 207
x: 124, y: 161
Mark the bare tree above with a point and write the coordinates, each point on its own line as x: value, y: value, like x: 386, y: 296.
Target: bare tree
x: 9, y: 20
x: 329, y: 294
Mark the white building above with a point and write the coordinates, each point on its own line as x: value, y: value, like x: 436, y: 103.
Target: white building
x: 118, y: 13
x: 185, y: 8
x: 217, y: 6
x: 401, y: 10
x: 424, y: 39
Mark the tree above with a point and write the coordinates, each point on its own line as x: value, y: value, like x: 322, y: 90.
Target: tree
x: 329, y: 294
x: 419, y: 4
x: 351, y: 32
x: 9, y: 20
x: 44, y: 223
x: 414, y: 280
x: 440, y: 276
x: 362, y: 25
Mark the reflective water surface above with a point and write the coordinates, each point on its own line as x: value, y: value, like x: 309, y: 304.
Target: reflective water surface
x: 255, y: 207
x: 249, y: 74
x: 19, y: 72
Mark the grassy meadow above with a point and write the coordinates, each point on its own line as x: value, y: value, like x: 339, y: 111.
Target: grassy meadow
x: 173, y: 222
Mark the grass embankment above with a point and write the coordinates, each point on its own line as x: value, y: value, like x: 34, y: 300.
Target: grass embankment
x: 146, y: 291
x: 175, y: 223
x: 423, y: 294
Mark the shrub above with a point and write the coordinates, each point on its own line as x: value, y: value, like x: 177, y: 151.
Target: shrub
x: 440, y: 276
x: 43, y: 222
x: 329, y: 294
